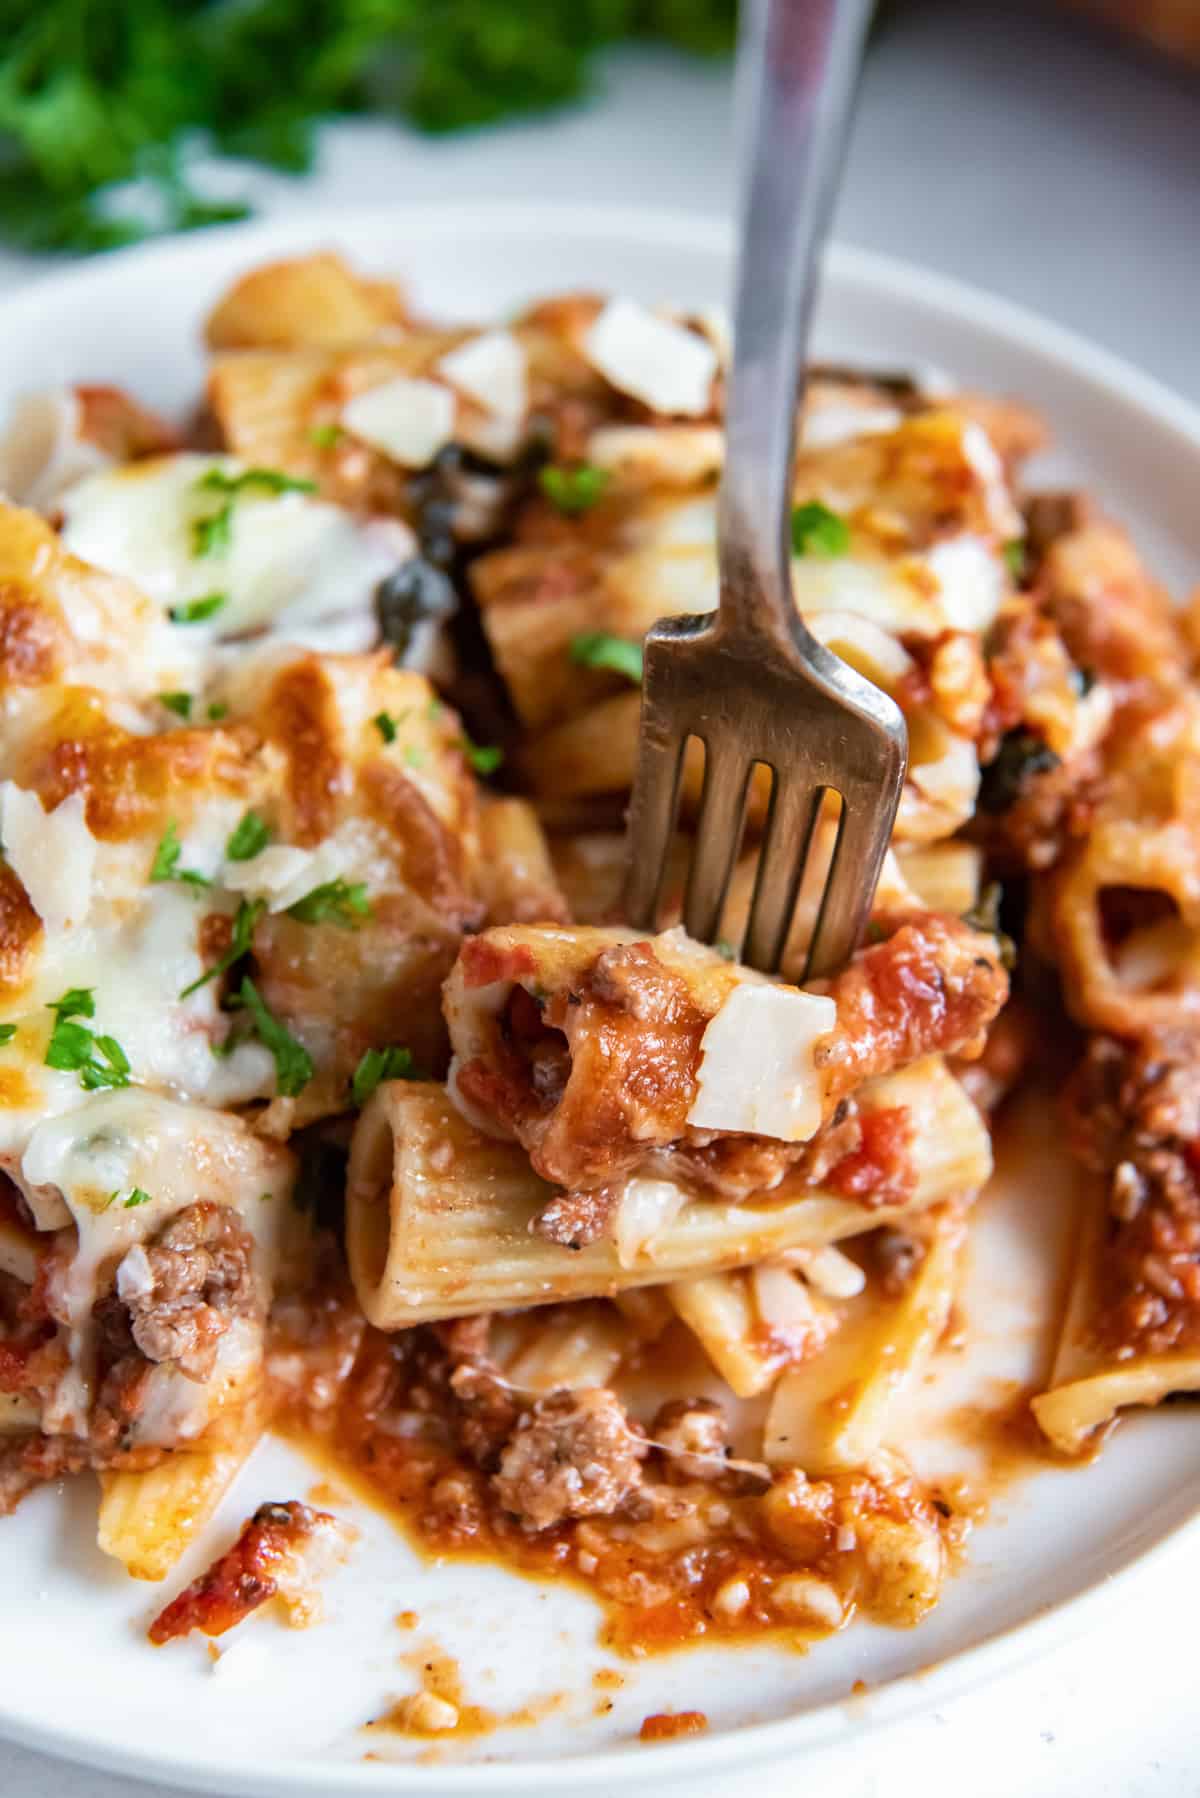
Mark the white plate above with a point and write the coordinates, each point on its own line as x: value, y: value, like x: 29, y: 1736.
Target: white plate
x: 284, y: 1714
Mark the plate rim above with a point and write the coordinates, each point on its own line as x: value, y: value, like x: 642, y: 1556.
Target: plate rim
x: 828, y: 1724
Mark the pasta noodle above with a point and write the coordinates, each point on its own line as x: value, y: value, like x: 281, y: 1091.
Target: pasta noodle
x: 438, y: 1214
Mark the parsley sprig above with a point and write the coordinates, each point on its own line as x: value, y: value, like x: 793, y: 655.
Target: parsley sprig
x: 245, y: 920
x: 338, y: 901
x: 575, y: 489
x: 213, y: 534
x: 377, y: 1065
x: 816, y: 531
x: 165, y: 865
x: 249, y: 838
x: 600, y: 649
x: 74, y: 1048
x: 293, y: 1063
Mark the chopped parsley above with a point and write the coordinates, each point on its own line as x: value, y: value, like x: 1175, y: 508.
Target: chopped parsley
x: 217, y: 712
x: 326, y: 437
x: 818, y: 531
x: 573, y: 490
x: 293, y: 1063
x: 7, y: 1032
x: 179, y: 703
x: 414, y: 755
x: 195, y: 611
x: 385, y: 724
x: 1014, y: 557
x: 73, y: 1048
x: 336, y: 902
x: 485, y: 758
x: 165, y: 865
x: 378, y: 1065
x: 267, y: 480
x: 600, y: 649
x: 138, y: 1196
x: 245, y: 919
x: 249, y: 839
x: 212, y: 535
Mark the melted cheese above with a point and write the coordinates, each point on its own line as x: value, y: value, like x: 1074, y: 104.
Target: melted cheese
x: 294, y: 566
x: 757, y: 1071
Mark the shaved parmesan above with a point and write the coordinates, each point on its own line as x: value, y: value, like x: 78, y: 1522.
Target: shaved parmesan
x: 873, y: 651
x: 53, y: 855
x: 840, y: 423
x: 42, y: 451
x: 282, y: 875
x: 409, y: 420
x: 491, y: 370
x: 971, y: 577
x: 757, y: 1070
x: 662, y: 364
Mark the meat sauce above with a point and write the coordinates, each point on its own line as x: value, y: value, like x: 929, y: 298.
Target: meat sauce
x: 683, y: 1561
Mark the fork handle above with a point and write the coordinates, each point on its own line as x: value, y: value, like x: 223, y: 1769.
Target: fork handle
x: 797, y: 66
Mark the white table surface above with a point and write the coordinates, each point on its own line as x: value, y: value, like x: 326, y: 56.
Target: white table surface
x: 996, y: 146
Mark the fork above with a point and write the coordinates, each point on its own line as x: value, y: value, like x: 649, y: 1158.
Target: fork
x: 750, y: 680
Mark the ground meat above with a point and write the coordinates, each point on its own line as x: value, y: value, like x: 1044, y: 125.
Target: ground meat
x: 695, y: 1436
x: 574, y: 1219
x: 573, y: 1454
x: 243, y: 1578
x: 1134, y: 1116
x: 931, y: 987
x: 487, y: 1411
x: 184, y: 1289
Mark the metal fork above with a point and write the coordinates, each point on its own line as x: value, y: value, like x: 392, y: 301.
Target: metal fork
x: 750, y: 680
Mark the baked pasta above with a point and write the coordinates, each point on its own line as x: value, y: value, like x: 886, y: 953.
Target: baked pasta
x: 334, y: 1091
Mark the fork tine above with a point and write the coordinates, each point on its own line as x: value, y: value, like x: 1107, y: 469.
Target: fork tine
x: 718, y: 838
x: 858, y: 854
x: 787, y: 841
x: 652, y: 808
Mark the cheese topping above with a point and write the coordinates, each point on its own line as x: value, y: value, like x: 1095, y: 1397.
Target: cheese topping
x: 662, y: 364
x: 490, y: 369
x: 52, y: 855
x: 409, y: 420
x: 757, y: 1072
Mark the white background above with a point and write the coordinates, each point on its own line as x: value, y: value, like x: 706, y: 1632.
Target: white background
x: 997, y: 145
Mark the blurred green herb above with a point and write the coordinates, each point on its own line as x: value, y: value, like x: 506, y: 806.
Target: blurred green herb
x: 96, y: 92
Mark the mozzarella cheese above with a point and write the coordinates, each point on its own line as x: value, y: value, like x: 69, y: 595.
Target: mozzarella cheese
x: 409, y: 420
x: 294, y: 566
x: 662, y: 364
x: 757, y: 1070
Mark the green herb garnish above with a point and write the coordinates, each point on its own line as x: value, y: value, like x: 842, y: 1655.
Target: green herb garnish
x: 165, y: 865
x: 211, y: 536
x: 245, y: 919
x: 293, y: 1063
x: 73, y: 1048
x: 326, y: 437
x: 818, y: 531
x: 1014, y: 558
x: 7, y: 1032
x: 414, y: 755
x: 217, y: 712
x: 378, y: 1065
x: 195, y: 611
x: 138, y: 1196
x: 385, y: 724
x: 573, y: 490
x: 485, y: 758
x: 336, y: 902
x: 249, y: 839
x: 600, y: 649
x: 179, y: 703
